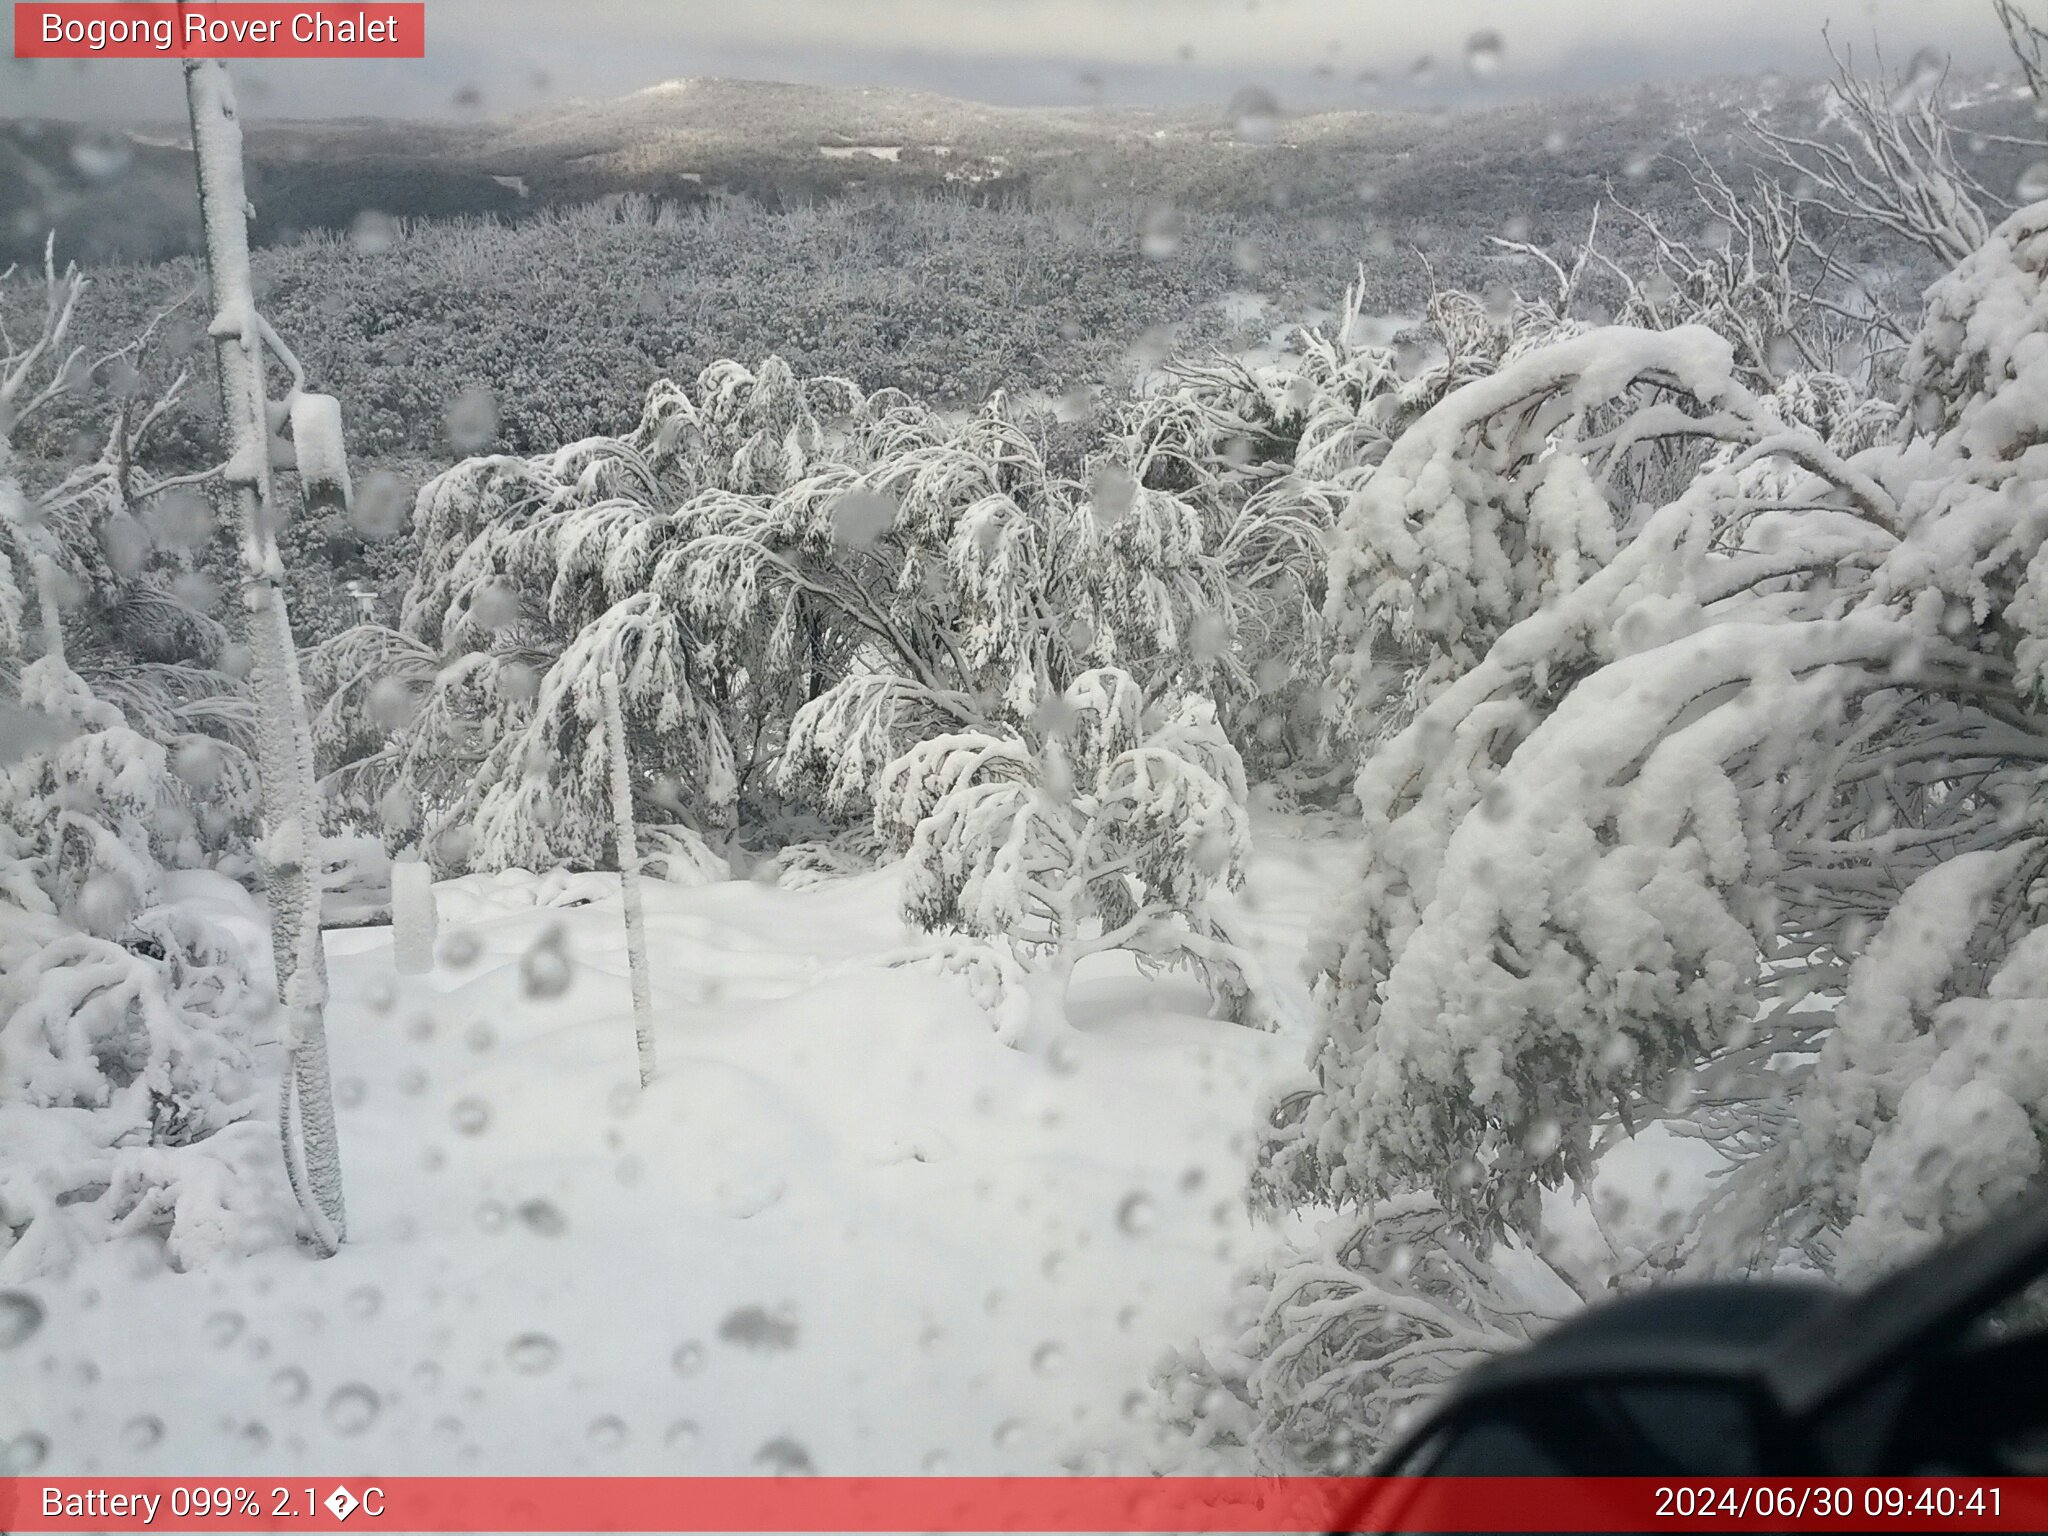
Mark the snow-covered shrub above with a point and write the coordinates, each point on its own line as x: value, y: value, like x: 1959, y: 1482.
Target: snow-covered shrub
x: 125, y: 1049
x: 98, y: 810
x: 125, y: 1069
x: 1504, y: 498
x: 944, y: 579
x: 127, y: 1093
x: 543, y: 795
x: 1732, y: 825
x: 1345, y: 1336
x: 1110, y: 826
x: 534, y: 570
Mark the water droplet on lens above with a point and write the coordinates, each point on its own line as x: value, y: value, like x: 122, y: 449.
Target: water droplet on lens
x: 1135, y: 1214
x: 142, y: 1432
x: 290, y: 1385
x: 688, y: 1359
x: 1483, y: 53
x: 543, y: 1217
x: 758, y: 1328
x: 469, y: 1117
x: 682, y: 1435
x: 20, y: 1316
x: 352, y: 1409
x: 532, y: 1353
x: 545, y: 970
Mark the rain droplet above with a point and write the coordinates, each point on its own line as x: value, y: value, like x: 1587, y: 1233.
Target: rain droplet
x: 1483, y: 53
x: 862, y: 517
x: 688, y: 1359
x: 20, y: 1316
x: 607, y: 1433
x: 758, y: 1328
x: 24, y: 1454
x: 785, y: 1457
x: 1047, y: 1359
x: 1135, y: 1214
x: 372, y: 233
x: 1256, y: 114
x: 221, y: 1329
x: 1921, y: 75
x: 364, y: 1301
x: 290, y: 1385
x: 469, y: 1116
x: 472, y: 420
x: 352, y: 1409
x: 545, y: 970
x: 2032, y: 186
x: 1162, y: 233
x: 100, y: 156
x: 142, y: 1432
x: 532, y: 1353
x: 682, y: 1434
x: 543, y: 1217
x: 380, y: 505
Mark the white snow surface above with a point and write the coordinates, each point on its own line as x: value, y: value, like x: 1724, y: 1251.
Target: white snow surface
x: 844, y: 1218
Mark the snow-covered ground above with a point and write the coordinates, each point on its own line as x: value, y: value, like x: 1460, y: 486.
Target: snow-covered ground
x: 845, y: 1230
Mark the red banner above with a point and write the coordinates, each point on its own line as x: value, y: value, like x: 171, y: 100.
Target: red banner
x: 321, y: 29
x: 1061, y: 1504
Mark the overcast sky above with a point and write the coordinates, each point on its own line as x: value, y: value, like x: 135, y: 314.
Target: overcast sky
x: 500, y: 55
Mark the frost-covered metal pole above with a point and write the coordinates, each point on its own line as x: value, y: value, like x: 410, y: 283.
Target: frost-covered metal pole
x: 629, y: 872
x: 284, y: 741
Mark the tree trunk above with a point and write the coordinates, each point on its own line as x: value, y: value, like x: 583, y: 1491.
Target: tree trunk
x: 1045, y: 991
x: 284, y: 740
x: 629, y: 873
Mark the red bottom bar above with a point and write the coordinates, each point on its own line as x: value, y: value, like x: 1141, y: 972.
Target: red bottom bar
x: 78, y: 1504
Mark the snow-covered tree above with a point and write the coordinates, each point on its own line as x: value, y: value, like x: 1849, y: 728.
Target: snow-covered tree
x: 520, y: 557
x: 1722, y: 817
x: 127, y: 1079
x: 127, y: 1075
x: 958, y: 583
x: 543, y: 797
x: 1507, y: 496
x: 1891, y: 157
x: 1111, y: 826
x: 1341, y: 1339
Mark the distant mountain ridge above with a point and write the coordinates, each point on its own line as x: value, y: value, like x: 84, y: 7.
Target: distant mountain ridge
x: 125, y: 195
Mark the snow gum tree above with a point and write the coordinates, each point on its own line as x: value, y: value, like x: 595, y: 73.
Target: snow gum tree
x: 520, y: 557
x: 1112, y: 827
x: 1720, y: 816
x: 959, y: 584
